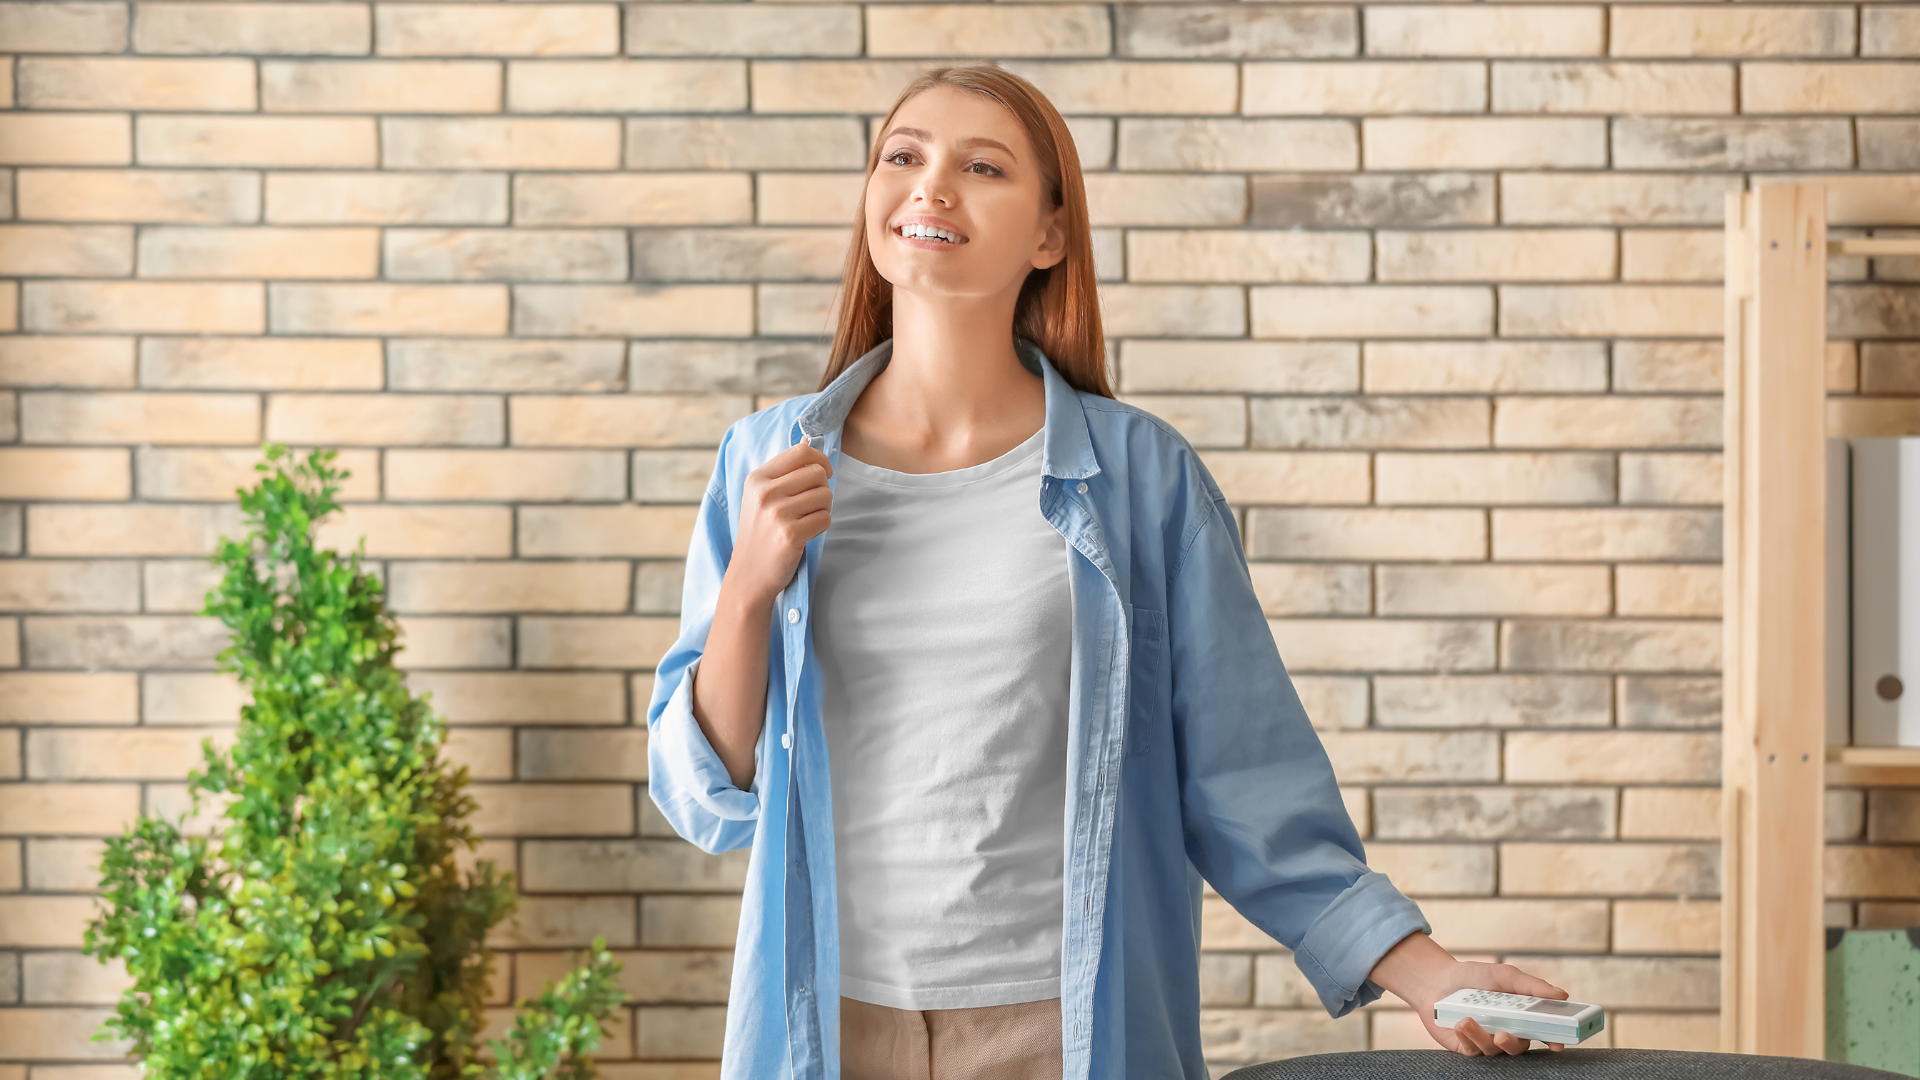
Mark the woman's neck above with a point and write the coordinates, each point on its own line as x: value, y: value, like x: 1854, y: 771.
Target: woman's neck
x: 954, y: 392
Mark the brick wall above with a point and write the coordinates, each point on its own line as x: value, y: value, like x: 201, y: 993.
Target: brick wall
x: 1434, y: 288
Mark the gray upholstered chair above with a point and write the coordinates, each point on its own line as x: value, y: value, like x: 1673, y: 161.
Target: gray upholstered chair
x: 1563, y: 1065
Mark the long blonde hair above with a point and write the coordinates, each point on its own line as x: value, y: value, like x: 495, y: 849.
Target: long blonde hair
x: 1059, y: 308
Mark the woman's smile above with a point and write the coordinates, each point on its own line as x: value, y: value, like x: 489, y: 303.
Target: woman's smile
x: 926, y: 231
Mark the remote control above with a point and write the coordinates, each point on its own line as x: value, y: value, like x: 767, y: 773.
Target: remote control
x: 1545, y: 1019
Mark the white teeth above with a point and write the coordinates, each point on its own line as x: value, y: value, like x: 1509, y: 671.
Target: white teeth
x: 926, y: 232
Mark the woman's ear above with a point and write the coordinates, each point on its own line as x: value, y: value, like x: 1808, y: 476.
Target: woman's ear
x: 1053, y: 241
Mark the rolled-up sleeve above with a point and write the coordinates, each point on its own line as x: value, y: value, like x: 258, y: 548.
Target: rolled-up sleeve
x: 1264, y: 820
x: 685, y: 776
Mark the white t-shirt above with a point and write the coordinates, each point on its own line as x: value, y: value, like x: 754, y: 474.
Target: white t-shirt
x: 943, y: 622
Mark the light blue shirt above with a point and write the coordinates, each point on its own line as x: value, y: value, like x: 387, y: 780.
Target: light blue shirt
x: 1188, y: 757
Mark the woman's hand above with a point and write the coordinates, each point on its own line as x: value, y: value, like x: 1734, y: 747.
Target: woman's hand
x: 784, y: 503
x: 1420, y: 972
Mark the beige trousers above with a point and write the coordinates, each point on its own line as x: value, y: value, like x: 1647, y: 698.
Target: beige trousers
x: 994, y: 1042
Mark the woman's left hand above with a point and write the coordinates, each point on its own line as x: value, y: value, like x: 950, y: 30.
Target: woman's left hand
x: 1420, y: 972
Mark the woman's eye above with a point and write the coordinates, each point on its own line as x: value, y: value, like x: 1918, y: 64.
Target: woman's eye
x: 900, y: 157
x: 983, y: 168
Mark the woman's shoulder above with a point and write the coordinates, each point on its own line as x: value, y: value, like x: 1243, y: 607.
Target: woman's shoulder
x: 1145, y: 445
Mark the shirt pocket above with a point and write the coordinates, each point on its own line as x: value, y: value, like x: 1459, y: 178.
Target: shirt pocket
x: 1149, y: 691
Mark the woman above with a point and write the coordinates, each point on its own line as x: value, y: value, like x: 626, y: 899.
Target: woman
x: 1045, y: 719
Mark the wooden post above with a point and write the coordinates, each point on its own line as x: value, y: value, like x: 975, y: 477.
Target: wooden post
x: 1772, y: 949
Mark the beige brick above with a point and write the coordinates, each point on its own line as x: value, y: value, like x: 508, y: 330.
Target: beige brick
x: 1561, y: 198
x: 176, y: 586
x: 1229, y: 145
x: 1609, y: 310
x: 1662, y: 143
x: 1505, y: 589
x: 1362, y: 88
x: 807, y: 198
x: 781, y: 309
x: 1666, y: 926
x: 323, y: 29
x: 1484, y: 142
x: 518, y: 364
x: 1863, y: 311
x: 1617, y: 644
x: 1671, y: 478
x: 555, y: 921
x: 463, y: 642
x: 64, y: 27
x: 1600, y: 757
x: 701, y: 975
x: 828, y: 86
x: 1496, y: 255
x: 635, y: 311
x: 30, y: 473
x: 208, y: 363
x: 1492, y: 701
x: 60, y: 1033
x: 1115, y: 199
x: 745, y: 142
x: 1232, y: 31
x: 1827, y: 88
x: 1889, y: 31
x: 620, y: 754
x: 430, y: 587
x: 1606, y: 421
x: 1668, y: 591
x: 388, y: 309
x: 209, y: 474
x: 689, y: 920
x: 1401, y: 757
x: 72, y: 530
x: 1694, y: 1032
x: 681, y: 1031
x: 1490, y: 31
x: 191, y: 698
x: 1672, y: 255
x: 629, y: 421
x: 1386, y: 534
x: 1493, y: 813
x: 66, y: 139
x: 1879, y: 872
x: 147, y: 195
x: 725, y: 367
x: 1656, y: 813
x: 1669, y: 701
x: 386, y: 198
x: 1894, y: 816
x: 1173, y: 310
x: 1401, y: 200
x: 1643, y: 366
x: 618, y: 86
x: 500, y: 143
x: 1239, y: 366
x: 586, y: 641
x: 1556, y: 925
x: 1484, y: 366
x: 71, y: 978
x: 1435, y: 869
x: 61, y: 697
x: 524, y: 809
x: 1297, y: 311
x: 510, y: 475
x: 1383, y: 644
x: 505, y: 30
x: 142, y: 307
x: 1606, y: 534
x: 119, y: 753
x: 99, y: 362
x: 962, y: 30
x: 636, y: 199
x: 1226, y: 979
x: 380, y: 86
x: 423, y: 531
x: 122, y: 641
x: 753, y: 254
x: 1330, y: 423
x: 1888, y: 144
x: 259, y: 253
x: 1708, y: 31
x: 524, y: 697
x: 136, y: 83
x: 1293, y: 479
x: 57, y: 416
x: 1317, y: 589
x: 1226, y: 256
x: 66, y: 250
x: 644, y: 865
x: 630, y: 531
x: 1256, y: 1035
x: 269, y: 141
x: 1564, y: 87
x: 1609, y: 869
x: 1481, y: 478
x: 88, y: 809
x: 60, y: 866
x: 1121, y: 87
x: 670, y: 29
x: 1889, y: 368
x: 505, y: 254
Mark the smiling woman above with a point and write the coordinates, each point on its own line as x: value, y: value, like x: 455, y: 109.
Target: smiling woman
x: 1027, y: 699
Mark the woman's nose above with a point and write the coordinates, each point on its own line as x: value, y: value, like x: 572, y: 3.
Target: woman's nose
x: 932, y: 193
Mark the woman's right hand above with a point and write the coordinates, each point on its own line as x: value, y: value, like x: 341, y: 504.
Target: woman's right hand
x: 784, y: 503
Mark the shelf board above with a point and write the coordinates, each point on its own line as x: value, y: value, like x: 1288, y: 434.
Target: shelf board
x: 1872, y: 417
x: 1871, y: 766
x: 1888, y: 245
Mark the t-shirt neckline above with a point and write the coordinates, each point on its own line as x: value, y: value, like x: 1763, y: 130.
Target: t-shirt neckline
x: 986, y: 470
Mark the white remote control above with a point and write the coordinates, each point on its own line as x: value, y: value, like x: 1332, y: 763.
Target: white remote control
x: 1545, y: 1019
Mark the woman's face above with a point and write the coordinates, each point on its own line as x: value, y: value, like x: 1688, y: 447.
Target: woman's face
x: 956, y: 206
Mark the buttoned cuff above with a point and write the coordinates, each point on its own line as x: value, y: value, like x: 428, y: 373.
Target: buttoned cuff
x: 699, y: 774
x: 1342, y: 945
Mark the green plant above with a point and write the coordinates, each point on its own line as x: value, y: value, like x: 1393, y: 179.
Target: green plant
x: 327, y: 932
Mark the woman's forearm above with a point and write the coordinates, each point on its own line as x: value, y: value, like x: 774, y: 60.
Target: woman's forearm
x: 730, y: 687
x: 1412, y: 967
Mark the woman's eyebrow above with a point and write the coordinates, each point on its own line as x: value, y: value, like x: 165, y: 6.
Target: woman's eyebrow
x: 965, y: 144
x: 911, y: 133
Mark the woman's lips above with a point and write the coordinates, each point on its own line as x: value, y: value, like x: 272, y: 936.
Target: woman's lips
x: 929, y: 232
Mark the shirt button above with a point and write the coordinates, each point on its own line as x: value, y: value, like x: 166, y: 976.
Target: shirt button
x: 793, y: 614
x: 786, y: 740
x: 1081, y: 487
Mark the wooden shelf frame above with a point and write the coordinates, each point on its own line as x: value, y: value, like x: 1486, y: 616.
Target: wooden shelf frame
x: 1775, y: 761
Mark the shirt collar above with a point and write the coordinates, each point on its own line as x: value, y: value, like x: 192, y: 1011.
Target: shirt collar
x: 1067, y: 449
